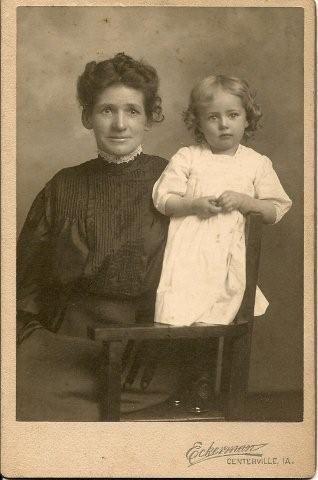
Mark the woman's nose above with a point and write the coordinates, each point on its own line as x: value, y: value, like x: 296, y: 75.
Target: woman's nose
x: 119, y: 121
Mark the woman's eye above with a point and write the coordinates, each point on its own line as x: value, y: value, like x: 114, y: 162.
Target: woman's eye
x: 133, y: 111
x: 107, y: 110
x: 212, y: 117
x: 234, y: 115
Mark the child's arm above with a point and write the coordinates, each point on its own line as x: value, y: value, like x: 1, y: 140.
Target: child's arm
x: 170, y: 191
x: 271, y: 200
x: 245, y: 204
x: 203, y: 207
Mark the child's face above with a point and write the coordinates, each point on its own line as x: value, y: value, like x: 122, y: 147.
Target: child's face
x: 118, y: 119
x: 222, y: 122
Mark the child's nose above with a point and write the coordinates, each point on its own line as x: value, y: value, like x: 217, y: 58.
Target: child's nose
x: 223, y: 122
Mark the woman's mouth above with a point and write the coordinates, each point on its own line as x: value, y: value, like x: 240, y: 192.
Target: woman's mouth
x: 118, y: 139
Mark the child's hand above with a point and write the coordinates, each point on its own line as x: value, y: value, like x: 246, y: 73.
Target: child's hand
x: 230, y: 201
x: 205, y: 207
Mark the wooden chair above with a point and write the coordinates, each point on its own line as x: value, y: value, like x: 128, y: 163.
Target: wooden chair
x: 236, y: 341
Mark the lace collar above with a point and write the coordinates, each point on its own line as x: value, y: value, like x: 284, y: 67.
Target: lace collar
x: 121, y: 158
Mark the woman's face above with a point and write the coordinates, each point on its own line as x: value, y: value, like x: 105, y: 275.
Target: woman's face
x: 118, y: 119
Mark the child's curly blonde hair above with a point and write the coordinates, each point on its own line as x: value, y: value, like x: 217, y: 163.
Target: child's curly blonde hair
x: 203, y: 91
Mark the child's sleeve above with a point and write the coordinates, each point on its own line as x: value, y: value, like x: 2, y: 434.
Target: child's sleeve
x: 268, y: 187
x: 173, y: 180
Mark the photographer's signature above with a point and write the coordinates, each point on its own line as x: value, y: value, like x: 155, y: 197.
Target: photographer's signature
x: 247, y: 453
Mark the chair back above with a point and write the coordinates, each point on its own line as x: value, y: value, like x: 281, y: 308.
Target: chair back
x: 253, y: 237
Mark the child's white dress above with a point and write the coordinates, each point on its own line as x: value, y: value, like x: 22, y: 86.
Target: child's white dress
x: 203, y: 274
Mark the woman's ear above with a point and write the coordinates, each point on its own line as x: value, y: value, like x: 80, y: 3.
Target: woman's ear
x: 148, y: 125
x: 86, y: 119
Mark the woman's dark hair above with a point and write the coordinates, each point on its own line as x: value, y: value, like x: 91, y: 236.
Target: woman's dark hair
x: 203, y: 91
x: 124, y: 70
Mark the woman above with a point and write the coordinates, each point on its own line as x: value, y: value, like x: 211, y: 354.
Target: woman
x: 91, y: 248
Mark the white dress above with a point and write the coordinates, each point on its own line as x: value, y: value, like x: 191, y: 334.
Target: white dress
x: 203, y: 274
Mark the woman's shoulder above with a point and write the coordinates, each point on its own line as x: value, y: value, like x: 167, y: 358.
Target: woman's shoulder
x: 71, y: 176
x: 78, y: 174
x: 154, y: 161
x: 149, y: 167
x: 76, y: 171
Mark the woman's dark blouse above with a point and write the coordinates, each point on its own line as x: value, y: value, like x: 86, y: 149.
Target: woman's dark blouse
x: 93, y: 230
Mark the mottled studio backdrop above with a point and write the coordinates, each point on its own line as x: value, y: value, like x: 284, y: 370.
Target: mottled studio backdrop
x: 262, y: 45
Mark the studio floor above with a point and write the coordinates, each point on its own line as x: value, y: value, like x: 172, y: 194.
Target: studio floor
x: 261, y: 407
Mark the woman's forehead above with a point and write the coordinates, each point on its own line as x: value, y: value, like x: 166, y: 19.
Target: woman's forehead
x: 120, y: 94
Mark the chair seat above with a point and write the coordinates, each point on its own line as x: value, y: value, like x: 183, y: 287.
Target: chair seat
x: 159, y: 331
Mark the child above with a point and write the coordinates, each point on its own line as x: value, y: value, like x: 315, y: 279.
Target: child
x: 207, y: 189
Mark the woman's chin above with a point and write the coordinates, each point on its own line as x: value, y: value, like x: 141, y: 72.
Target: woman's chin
x: 118, y: 149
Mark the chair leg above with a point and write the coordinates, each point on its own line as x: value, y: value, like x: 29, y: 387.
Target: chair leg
x: 202, y: 388
x: 111, y: 381
x: 226, y: 367
x: 235, y: 380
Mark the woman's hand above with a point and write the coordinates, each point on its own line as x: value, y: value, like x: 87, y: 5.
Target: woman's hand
x: 205, y: 207
x: 230, y: 201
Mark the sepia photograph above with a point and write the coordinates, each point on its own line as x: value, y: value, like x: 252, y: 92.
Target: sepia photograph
x: 160, y: 236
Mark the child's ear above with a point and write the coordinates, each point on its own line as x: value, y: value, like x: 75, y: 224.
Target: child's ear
x: 86, y: 119
x: 199, y: 134
x: 198, y: 126
x: 246, y: 124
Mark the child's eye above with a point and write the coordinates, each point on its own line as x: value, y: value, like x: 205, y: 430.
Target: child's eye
x: 234, y: 115
x: 212, y: 117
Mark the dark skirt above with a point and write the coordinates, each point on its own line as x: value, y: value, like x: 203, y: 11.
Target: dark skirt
x: 58, y: 373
